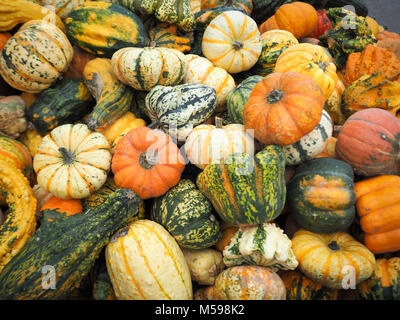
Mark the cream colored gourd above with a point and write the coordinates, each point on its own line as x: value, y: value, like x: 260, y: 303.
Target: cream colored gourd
x: 207, y: 143
x: 204, y: 265
x: 144, y: 68
x: 201, y: 70
x: 71, y: 161
x: 62, y: 7
x: 144, y: 262
x: 35, y: 57
x: 232, y: 42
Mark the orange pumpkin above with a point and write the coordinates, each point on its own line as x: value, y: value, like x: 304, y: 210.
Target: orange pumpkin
x: 392, y: 44
x: 299, y: 18
x: 4, y: 36
x: 148, y: 162
x: 387, y: 34
x: 283, y: 107
x: 59, y: 208
x: 378, y: 205
x: 372, y: 60
x: 78, y: 63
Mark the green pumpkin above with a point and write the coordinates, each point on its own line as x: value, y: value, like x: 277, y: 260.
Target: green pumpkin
x: 178, y: 109
x: 102, y: 28
x: 344, y: 39
x: 321, y: 196
x: 71, y: 245
x: 67, y: 101
x: 177, y: 12
x: 238, y: 97
x: 384, y: 284
x: 247, y: 189
x: 188, y: 215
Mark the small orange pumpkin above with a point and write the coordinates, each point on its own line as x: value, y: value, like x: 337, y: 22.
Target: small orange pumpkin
x: 59, y: 208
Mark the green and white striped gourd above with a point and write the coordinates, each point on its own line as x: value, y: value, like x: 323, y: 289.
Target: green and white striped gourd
x: 178, y: 109
x: 311, y: 144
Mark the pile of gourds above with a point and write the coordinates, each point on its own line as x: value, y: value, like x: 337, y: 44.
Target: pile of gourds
x: 187, y: 149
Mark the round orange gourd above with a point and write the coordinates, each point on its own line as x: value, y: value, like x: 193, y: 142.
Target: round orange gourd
x: 311, y: 60
x: 283, y: 107
x: 299, y: 18
x: 148, y: 162
x: 59, y: 208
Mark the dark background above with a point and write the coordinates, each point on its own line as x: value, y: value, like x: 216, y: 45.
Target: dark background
x: 386, y: 12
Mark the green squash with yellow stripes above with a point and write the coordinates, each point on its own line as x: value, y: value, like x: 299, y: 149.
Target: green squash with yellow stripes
x: 247, y: 189
x: 102, y: 28
x: 188, y: 215
x: 69, y: 100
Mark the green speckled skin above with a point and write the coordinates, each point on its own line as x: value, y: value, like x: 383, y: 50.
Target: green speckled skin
x: 103, y: 28
x: 170, y: 11
x: 321, y: 196
x: 102, y: 286
x: 344, y: 39
x: 71, y: 245
x: 67, y: 101
x: 247, y: 190
x: 238, y: 97
x: 188, y: 215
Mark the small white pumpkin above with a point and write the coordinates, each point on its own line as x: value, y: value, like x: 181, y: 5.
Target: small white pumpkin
x: 204, y: 265
x: 210, y: 144
x: 232, y: 41
x: 312, y: 144
x: 201, y: 70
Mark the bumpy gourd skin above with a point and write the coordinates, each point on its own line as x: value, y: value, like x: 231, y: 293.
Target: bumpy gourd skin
x: 350, y: 33
x: 71, y: 246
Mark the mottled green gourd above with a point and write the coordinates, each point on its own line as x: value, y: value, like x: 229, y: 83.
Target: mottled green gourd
x: 102, y: 28
x: 69, y: 100
x: 71, y: 245
x: 102, y: 286
x: 350, y: 33
x: 238, y: 97
x: 188, y: 215
x: 247, y: 189
x: 177, y: 12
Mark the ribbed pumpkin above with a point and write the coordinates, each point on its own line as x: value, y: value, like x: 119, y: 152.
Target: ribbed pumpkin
x: 115, y: 131
x: 17, y: 155
x: 372, y: 60
x: 113, y: 98
x: 321, y: 195
x: 201, y: 70
x: 72, y: 161
x: 148, y: 162
x: 372, y: 91
x: 71, y: 245
x: 212, y: 144
x: 40, y: 44
x: 310, y: 60
x: 310, y: 145
x: 245, y: 5
x: 20, y: 221
x: 329, y: 258
x: 249, y: 283
x: 144, y: 68
x: 384, y: 282
x: 177, y: 110
x: 369, y: 141
x: 298, y: 18
x: 188, y: 216
x: 323, y: 25
x: 164, y: 35
x: 378, y: 205
x: 238, y: 97
x: 12, y: 116
x: 102, y: 28
x: 283, y: 107
x: 246, y: 189
x: 299, y: 287
x: 67, y: 101
x: 177, y: 12
x: 145, y: 263
x: 392, y: 44
x: 274, y: 42
x: 232, y: 42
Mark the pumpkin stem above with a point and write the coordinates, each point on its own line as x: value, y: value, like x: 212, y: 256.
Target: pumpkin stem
x: 148, y: 159
x: 275, y: 96
x: 334, y: 246
x: 323, y: 65
x: 218, y: 122
x: 68, y: 156
x: 237, y: 45
x: 152, y: 44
